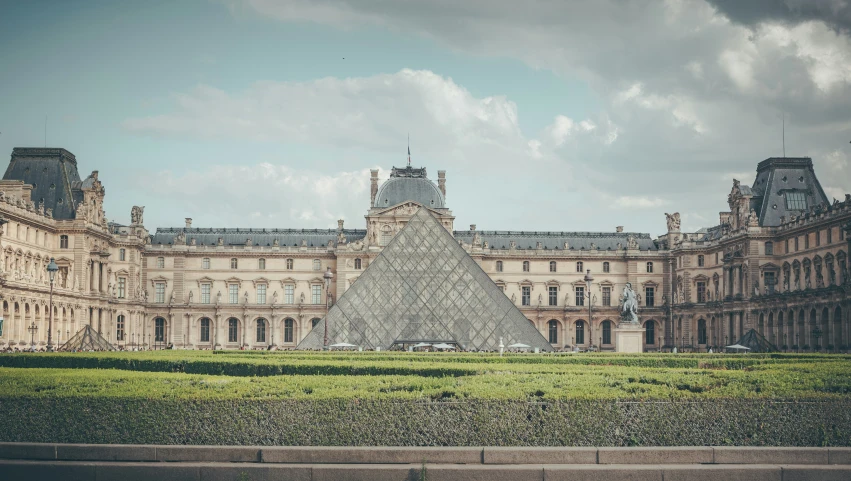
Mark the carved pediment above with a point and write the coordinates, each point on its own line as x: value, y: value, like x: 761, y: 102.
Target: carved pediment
x: 288, y: 280
x: 260, y: 280
x: 234, y: 280
x: 770, y: 266
x: 405, y: 208
x: 205, y: 280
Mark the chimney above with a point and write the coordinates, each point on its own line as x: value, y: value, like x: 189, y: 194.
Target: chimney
x: 340, y: 225
x: 373, y: 188
x: 441, y: 182
x: 619, y: 228
x: 472, y: 227
x: 188, y: 222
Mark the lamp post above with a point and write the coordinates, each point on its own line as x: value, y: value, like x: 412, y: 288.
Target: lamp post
x: 588, y: 280
x: 816, y: 335
x: 32, y: 330
x: 328, y: 276
x: 51, y: 271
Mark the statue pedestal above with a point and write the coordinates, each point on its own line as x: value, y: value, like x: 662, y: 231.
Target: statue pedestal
x: 629, y: 338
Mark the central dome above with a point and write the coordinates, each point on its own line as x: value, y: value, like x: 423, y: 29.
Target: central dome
x: 409, y: 184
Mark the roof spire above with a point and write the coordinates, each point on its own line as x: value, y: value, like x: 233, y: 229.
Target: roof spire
x: 409, y: 150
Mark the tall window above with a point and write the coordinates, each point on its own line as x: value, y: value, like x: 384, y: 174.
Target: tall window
x: 289, y: 294
x: 552, y: 327
x: 261, y: 264
x: 786, y: 249
x: 358, y: 264
x: 160, y: 262
x: 796, y: 200
x: 552, y: 266
x: 233, y: 330
x: 261, y: 294
x: 607, y: 332
x: 525, y: 295
x: 650, y: 267
x: 525, y: 266
x: 649, y: 332
x: 159, y: 329
x: 701, y: 331
x: 119, y: 328
x: 580, y: 332
x: 159, y: 292
x: 830, y: 235
x: 63, y: 242
x: 386, y: 235
x: 122, y: 287
x: 288, y: 330
x: 233, y: 293
x: 122, y: 254
x: 818, y: 238
x: 607, y: 296
x: 769, y: 282
x: 806, y: 241
x: 553, y: 294
x: 289, y: 264
x: 701, y: 292
x: 769, y: 248
x: 796, y: 244
x: 579, y: 267
x: 205, y: 293
x: 205, y: 330
x: 580, y: 295
x: 317, y: 265
x: 716, y: 258
x: 649, y: 296
x: 233, y: 263
x: 261, y: 330
x: 700, y: 261
x: 499, y: 266
x: 205, y: 263
x: 316, y: 294
x: 606, y: 267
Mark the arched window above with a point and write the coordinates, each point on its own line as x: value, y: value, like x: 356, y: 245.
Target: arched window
x: 261, y: 264
x: 358, y: 264
x: 233, y: 330
x: 317, y: 265
x: 701, y: 331
x: 289, y: 264
x: 552, y: 327
x: 552, y: 266
x: 159, y: 329
x: 606, y: 267
x: 314, y: 322
x: 499, y: 266
x: 579, y: 266
x: 289, y: 326
x: 607, y: 332
x: 119, y: 328
x: 261, y: 330
x: 580, y: 332
x: 205, y: 330
x: 525, y: 266
x: 386, y: 235
x: 233, y: 263
x: 649, y: 332
x: 649, y: 267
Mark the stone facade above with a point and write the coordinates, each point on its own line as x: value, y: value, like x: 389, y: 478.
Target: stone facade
x: 781, y: 270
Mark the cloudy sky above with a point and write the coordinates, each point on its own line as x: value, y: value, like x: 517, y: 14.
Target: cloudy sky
x: 546, y: 115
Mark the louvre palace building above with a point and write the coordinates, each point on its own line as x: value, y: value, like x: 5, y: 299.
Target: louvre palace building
x: 777, y: 262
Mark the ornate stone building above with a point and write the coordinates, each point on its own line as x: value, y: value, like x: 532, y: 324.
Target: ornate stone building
x: 776, y: 262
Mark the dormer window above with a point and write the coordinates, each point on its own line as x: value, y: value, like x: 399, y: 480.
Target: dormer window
x: 796, y: 200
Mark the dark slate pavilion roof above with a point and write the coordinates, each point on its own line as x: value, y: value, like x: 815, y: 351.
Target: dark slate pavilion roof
x: 555, y: 240
x: 777, y: 175
x: 261, y: 237
x: 53, y: 174
x: 407, y: 184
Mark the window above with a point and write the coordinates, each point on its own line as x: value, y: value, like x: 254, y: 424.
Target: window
x: 288, y: 330
x: 552, y: 327
x: 314, y: 322
x: 205, y: 263
x: 818, y: 238
x: 701, y: 292
x: 233, y: 263
x: 701, y: 331
x: 830, y: 235
x: 580, y: 295
x: 786, y: 250
x: 159, y: 292
x: 316, y: 294
x: 119, y: 328
x: 796, y: 200
x: 580, y: 332
x: 606, y: 267
x: 159, y: 329
x: 233, y: 293
x: 769, y: 248
x: 261, y: 294
x: 499, y: 266
x: 205, y: 293
x: 607, y: 296
x: 553, y: 294
x: 796, y: 243
x: 289, y: 264
x: 649, y: 296
x: 317, y: 265
x: 233, y: 330
x: 716, y: 258
x: 552, y: 266
x: 122, y: 287
x: 525, y: 295
x: 63, y: 242
x: 649, y: 332
x: 122, y: 254
x: 650, y: 267
x: 386, y: 235
x: 205, y: 330
x: 769, y: 282
x: 607, y: 332
x: 579, y: 267
x: 700, y: 261
x: 160, y: 262
x: 289, y: 294
x: 525, y: 266
x: 261, y: 330
x: 807, y: 241
x: 358, y: 264
x: 261, y: 264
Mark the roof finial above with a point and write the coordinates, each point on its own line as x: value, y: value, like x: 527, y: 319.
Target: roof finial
x: 409, y: 150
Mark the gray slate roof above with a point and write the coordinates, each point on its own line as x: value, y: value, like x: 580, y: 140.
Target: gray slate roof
x: 261, y: 237
x: 778, y: 175
x: 409, y: 184
x: 46, y: 167
x: 555, y: 240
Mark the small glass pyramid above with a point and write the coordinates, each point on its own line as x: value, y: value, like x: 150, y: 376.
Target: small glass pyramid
x: 87, y: 339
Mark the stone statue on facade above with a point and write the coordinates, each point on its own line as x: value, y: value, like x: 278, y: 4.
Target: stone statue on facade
x: 673, y: 221
x: 218, y: 298
x: 753, y: 219
x: 356, y: 245
x: 513, y: 298
x: 274, y: 298
x: 629, y: 311
x: 136, y: 215
x: 190, y: 297
x: 301, y: 298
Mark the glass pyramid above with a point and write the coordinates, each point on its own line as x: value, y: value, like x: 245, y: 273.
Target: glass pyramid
x: 86, y: 339
x: 424, y: 287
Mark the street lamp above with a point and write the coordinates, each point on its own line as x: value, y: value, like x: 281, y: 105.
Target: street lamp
x: 32, y: 330
x: 328, y: 276
x: 588, y: 280
x: 51, y: 271
x: 816, y: 335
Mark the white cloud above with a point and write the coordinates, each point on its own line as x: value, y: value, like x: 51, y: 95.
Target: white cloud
x: 633, y: 202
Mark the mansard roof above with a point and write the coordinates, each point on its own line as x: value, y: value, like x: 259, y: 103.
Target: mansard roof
x: 53, y: 174
x: 409, y: 184
x: 555, y: 240
x: 261, y: 237
x: 775, y: 177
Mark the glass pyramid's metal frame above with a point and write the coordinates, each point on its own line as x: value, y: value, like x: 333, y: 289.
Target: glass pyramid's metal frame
x: 87, y: 339
x: 424, y: 287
